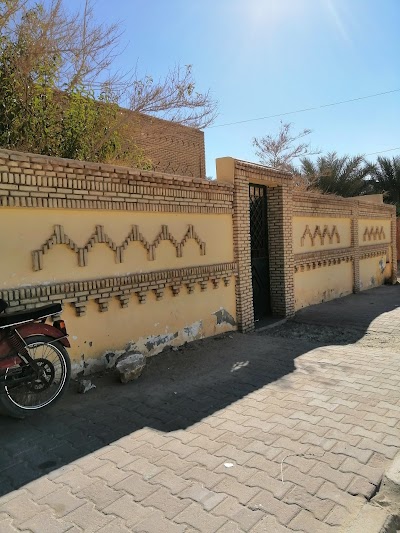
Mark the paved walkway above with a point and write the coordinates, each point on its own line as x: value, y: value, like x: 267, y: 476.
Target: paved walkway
x: 202, y: 441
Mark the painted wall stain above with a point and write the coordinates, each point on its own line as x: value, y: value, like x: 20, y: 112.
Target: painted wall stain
x: 194, y: 331
x: 158, y: 340
x: 224, y: 317
x: 154, y: 344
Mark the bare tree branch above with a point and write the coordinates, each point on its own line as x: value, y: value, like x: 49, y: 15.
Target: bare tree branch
x: 172, y: 98
x: 281, y: 150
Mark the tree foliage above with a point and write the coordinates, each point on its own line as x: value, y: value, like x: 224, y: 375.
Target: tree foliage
x: 331, y: 174
x: 55, y: 96
x: 386, y: 179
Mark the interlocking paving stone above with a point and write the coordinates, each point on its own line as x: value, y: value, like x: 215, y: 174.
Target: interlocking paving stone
x: 318, y: 507
x: 88, y: 518
x: 245, y: 517
x: 128, y: 509
x: 100, y: 494
x: 305, y: 521
x: 201, y: 520
x: 143, y: 459
x: 45, y: 523
x: 167, y: 503
x: 157, y: 523
x: 21, y: 508
x: 136, y: 486
x: 282, y: 511
x: 62, y: 501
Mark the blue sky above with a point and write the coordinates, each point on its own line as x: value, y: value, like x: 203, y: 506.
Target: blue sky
x: 262, y: 57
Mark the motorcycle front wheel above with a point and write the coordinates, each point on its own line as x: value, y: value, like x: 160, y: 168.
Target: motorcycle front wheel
x: 20, y: 399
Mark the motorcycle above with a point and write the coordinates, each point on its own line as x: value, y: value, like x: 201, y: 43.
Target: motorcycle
x: 35, y: 367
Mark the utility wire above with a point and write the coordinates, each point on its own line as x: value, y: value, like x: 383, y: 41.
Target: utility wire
x: 304, y: 110
x: 382, y: 151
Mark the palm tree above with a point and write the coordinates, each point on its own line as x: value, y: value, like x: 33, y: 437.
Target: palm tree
x: 386, y: 179
x: 331, y: 174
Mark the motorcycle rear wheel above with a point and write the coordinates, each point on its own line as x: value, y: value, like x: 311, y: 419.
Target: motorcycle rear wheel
x: 20, y: 400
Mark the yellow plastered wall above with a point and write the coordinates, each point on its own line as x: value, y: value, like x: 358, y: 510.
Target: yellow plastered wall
x: 312, y: 234
x: 148, y: 327
x: 322, y: 284
x: 374, y: 271
x: 27, y: 230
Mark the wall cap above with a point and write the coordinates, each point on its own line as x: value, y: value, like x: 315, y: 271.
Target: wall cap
x: 128, y: 172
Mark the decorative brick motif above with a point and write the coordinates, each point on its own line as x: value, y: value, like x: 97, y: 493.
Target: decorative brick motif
x: 78, y: 293
x: 313, y: 260
x: 100, y: 236
x: 374, y: 251
x: 374, y: 233
x: 321, y: 234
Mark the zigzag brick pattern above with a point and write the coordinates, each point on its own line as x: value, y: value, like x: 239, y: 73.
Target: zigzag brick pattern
x: 100, y: 236
x: 374, y: 233
x: 321, y: 234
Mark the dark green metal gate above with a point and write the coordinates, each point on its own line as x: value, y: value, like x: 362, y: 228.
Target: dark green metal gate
x: 259, y: 251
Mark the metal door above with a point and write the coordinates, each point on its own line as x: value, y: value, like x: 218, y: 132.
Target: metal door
x: 259, y: 251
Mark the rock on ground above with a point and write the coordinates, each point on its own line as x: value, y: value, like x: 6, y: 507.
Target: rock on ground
x: 130, y: 366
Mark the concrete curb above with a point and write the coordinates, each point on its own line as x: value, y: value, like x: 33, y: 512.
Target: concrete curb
x: 372, y: 519
x: 388, y: 496
x: 382, y: 514
x: 391, y: 480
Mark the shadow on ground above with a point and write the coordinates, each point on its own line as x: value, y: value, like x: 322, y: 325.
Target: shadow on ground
x: 177, y: 389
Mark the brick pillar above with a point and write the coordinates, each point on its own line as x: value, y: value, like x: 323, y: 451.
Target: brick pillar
x: 355, y: 244
x: 241, y: 241
x: 242, y: 244
x: 393, y: 223
x: 280, y: 234
x: 398, y: 238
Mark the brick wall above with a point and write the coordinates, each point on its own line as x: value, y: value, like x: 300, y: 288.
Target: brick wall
x: 301, y: 275
x: 369, y: 251
x: 151, y: 252
x: 171, y: 147
x: 103, y: 237
x: 29, y: 180
x: 242, y: 174
x: 398, y: 238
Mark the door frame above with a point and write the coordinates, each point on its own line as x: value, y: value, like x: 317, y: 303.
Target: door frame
x: 280, y: 224
x: 259, y: 251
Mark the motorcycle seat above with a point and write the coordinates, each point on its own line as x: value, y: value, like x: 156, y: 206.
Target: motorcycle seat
x: 9, y: 319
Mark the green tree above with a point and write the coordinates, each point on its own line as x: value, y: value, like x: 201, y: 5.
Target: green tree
x: 386, y: 179
x: 331, y: 174
x: 56, y: 99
